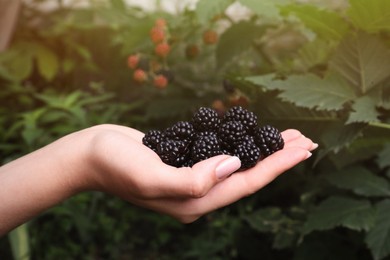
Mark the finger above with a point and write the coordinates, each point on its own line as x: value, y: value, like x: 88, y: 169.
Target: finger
x: 290, y: 134
x: 230, y: 190
x: 242, y: 184
x: 141, y: 173
x: 163, y: 180
x: 301, y: 141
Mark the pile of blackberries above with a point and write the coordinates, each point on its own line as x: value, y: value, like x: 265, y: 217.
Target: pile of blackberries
x: 207, y: 134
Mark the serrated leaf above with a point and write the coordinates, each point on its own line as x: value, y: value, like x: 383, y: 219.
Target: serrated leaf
x: 364, y: 110
x: 265, y: 8
x: 326, y: 24
x: 265, y: 219
x: 235, y: 41
x: 337, y: 136
x: 47, y: 62
x: 341, y: 211
x: 378, y: 238
x: 383, y: 159
x: 372, y: 16
x: 206, y: 9
x: 363, y: 60
x: 361, y: 181
x: 310, y: 91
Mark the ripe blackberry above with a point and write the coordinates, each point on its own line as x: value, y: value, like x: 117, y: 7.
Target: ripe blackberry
x: 231, y: 133
x: 268, y: 139
x: 173, y: 152
x: 181, y: 130
x: 247, y: 118
x: 152, y: 138
x: 247, y: 138
x: 205, y: 133
x: 205, y: 147
x: 248, y: 153
x: 206, y: 119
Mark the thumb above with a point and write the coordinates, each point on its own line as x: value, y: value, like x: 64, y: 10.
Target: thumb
x: 198, y: 180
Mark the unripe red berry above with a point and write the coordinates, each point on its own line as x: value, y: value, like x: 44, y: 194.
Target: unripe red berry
x: 219, y: 106
x: 210, y: 37
x: 157, y: 35
x: 162, y: 49
x: 160, y: 81
x: 160, y: 23
x: 139, y: 76
x: 132, y: 61
x: 239, y: 100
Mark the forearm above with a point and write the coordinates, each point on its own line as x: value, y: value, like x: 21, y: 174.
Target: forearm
x: 40, y: 180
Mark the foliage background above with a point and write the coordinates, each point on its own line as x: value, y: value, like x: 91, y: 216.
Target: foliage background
x: 322, y: 67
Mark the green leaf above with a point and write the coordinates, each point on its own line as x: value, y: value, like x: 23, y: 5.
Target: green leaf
x: 378, y: 238
x: 265, y: 219
x: 310, y: 91
x: 338, y: 136
x: 16, y: 64
x: 47, y: 62
x: 272, y: 220
x: 361, y: 181
x: 19, y: 241
x: 384, y: 157
x: 265, y: 8
x: 363, y: 60
x: 236, y: 40
x: 372, y: 16
x: 206, y: 9
x: 364, y: 110
x: 326, y: 24
x: 340, y: 211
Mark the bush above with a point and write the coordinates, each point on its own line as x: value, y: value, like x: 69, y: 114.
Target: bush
x: 317, y: 67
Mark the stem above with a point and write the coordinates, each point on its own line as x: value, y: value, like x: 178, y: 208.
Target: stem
x: 380, y: 125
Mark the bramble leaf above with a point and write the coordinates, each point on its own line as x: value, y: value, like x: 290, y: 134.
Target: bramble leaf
x: 361, y: 181
x: 378, y: 238
x: 265, y: 8
x: 364, y: 110
x: 372, y: 16
x: 326, y: 24
x: 309, y: 90
x: 384, y: 157
x: 206, y: 10
x: 230, y: 47
x: 341, y: 211
x: 363, y: 60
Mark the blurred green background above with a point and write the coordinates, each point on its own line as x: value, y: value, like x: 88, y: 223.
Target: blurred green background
x: 322, y: 67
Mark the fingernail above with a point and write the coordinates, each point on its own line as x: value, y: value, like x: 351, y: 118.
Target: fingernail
x: 227, y: 167
x: 308, y: 154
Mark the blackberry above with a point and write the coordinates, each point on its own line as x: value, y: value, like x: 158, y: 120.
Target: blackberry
x: 173, y: 152
x: 247, y: 118
x: 152, y: 138
x: 268, y: 139
x: 205, y: 133
x: 181, y: 130
x: 206, y: 119
x: 249, y: 154
x: 246, y: 138
x: 205, y: 147
x: 231, y: 133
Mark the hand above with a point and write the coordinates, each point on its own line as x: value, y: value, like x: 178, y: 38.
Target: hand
x: 112, y: 159
x: 123, y: 166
